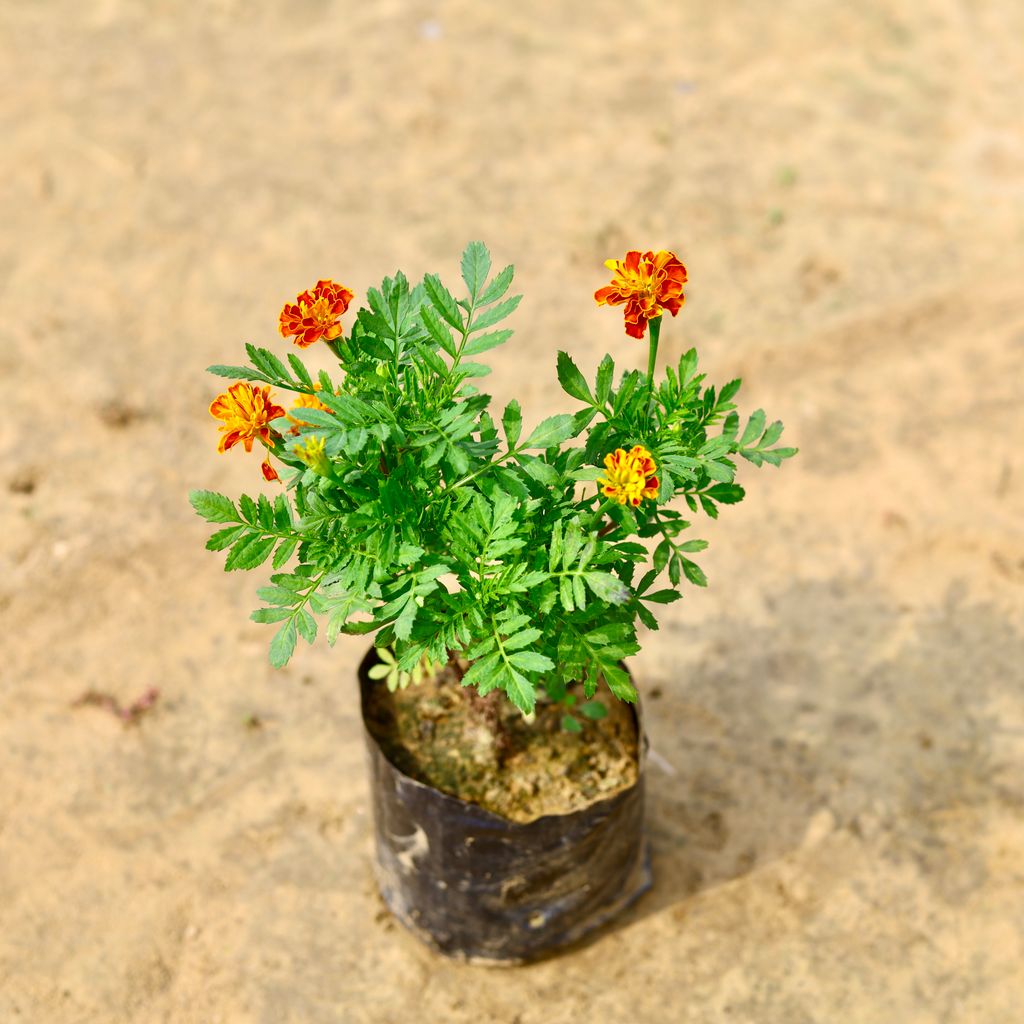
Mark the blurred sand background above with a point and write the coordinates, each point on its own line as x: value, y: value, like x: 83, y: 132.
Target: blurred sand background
x: 836, y: 809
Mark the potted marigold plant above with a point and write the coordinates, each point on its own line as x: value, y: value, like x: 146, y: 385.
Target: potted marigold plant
x: 502, y: 571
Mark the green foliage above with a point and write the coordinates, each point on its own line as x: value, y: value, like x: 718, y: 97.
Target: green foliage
x: 444, y: 533
x: 396, y: 678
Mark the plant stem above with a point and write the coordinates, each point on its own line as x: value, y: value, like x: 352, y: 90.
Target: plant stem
x: 652, y: 357
x: 599, y: 513
x: 487, y: 710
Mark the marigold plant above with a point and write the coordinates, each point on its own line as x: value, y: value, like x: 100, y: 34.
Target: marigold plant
x: 409, y: 512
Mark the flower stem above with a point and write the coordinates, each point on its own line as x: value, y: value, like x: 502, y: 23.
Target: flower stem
x: 599, y: 513
x: 652, y: 355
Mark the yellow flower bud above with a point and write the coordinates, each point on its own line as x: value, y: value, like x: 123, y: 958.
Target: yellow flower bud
x: 312, y: 452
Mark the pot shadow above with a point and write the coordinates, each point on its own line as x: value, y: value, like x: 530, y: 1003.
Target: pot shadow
x: 844, y: 711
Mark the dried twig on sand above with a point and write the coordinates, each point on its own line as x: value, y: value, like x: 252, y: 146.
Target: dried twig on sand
x: 130, y: 715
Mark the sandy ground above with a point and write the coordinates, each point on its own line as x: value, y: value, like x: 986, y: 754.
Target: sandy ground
x: 836, y: 808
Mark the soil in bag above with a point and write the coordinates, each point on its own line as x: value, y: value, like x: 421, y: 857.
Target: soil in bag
x: 484, y: 751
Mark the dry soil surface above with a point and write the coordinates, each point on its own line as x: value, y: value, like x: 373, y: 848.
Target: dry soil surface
x: 838, y: 721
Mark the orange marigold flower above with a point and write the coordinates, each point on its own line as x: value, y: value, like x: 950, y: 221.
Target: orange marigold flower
x: 647, y: 283
x: 246, y: 411
x: 314, y: 315
x: 629, y: 476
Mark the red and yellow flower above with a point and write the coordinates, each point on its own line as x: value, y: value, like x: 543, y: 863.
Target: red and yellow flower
x: 246, y: 411
x: 647, y: 284
x: 315, y: 315
x: 629, y: 476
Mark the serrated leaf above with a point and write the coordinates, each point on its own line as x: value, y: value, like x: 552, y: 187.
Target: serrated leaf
x: 729, y: 391
x: 437, y: 330
x: 771, y: 435
x: 485, y: 646
x: 570, y: 724
x: 482, y: 671
x: 485, y: 342
x: 520, y: 690
x: 282, y: 513
x: 661, y: 553
x: 265, y: 360
x: 474, y: 369
x: 539, y: 470
x: 248, y: 509
x: 237, y: 552
x: 727, y: 494
x: 443, y: 301
x: 605, y: 372
x: 573, y: 545
x: 238, y: 372
x: 572, y: 380
x: 581, y: 420
x: 512, y: 421
x: 291, y: 581
x: 299, y: 368
x: 268, y: 615
x: 693, y: 545
x: 284, y: 552
x: 607, y: 587
x: 282, y: 647
x: 594, y: 710
x: 645, y: 616
x: 306, y: 625
x: 521, y: 639
x: 249, y: 553
x: 213, y: 507
x: 409, y: 553
x: 496, y: 313
x: 497, y: 287
x: 224, y: 538
x: 754, y: 427
x: 476, y: 265
x: 266, y: 513
x: 403, y: 624
x: 619, y: 683
x: 687, y: 365
x: 507, y: 479
x: 320, y: 419
x: 531, y: 661
x: 707, y: 504
x: 694, y: 573
x: 552, y: 431
x: 626, y: 389
x: 555, y: 547
x: 718, y: 471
